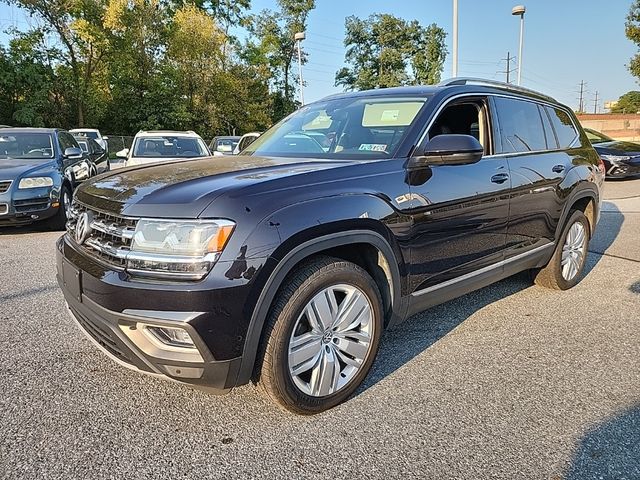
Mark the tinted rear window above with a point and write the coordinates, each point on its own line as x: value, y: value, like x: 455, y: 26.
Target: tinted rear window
x: 562, y: 124
x: 520, y: 126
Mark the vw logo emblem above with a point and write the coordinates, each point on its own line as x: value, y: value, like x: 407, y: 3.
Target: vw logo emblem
x: 83, y: 227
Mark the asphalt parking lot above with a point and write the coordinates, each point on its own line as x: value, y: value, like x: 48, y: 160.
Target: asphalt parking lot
x: 512, y: 381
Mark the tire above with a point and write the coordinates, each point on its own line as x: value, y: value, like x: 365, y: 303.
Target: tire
x: 321, y: 387
x: 59, y: 220
x: 556, y: 274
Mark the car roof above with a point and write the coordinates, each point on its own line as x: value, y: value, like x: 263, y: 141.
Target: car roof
x: 31, y: 130
x: 173, y: 133
x: 74, y: 130
x: 460, y: 84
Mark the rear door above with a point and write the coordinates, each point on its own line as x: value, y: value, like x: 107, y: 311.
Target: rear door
x: 537, y: 166
x: 459, y: 212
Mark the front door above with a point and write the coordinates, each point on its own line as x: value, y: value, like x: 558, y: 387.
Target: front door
x: 460, y: 212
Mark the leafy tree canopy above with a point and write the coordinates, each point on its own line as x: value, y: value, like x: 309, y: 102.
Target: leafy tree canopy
x: 387, y: 51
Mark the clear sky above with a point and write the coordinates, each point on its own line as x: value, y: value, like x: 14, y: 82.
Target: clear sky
x: 565, y: 41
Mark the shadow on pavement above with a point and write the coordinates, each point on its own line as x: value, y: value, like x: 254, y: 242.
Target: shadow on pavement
x: 610, y: 450
x: 26, y: 229
x: 404, y: 342
x: 607, y: 230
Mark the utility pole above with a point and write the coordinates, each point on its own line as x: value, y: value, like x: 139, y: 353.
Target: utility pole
x: 581, y: 103
x: 595, y: 103
x: 455, y: 39
x: 299, y: 37
x: 508, y: 69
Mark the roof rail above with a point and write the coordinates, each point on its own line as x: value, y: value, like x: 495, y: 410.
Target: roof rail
x: 492, y: 83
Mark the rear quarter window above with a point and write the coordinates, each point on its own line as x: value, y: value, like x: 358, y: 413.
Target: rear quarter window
x: 521, y: 128
x: 563, y: 126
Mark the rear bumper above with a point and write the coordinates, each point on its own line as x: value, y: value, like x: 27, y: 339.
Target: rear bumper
x: 117, y: 334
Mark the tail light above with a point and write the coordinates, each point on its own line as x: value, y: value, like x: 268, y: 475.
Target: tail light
x: 601, y: 166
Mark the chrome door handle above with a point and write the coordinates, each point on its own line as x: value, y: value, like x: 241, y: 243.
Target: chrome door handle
x: 500, y: 178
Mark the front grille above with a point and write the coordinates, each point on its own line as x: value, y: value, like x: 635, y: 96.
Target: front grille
x: 31, y: 205
x: 4, y: 185
x: 109, y: 238
x: 101, y: 335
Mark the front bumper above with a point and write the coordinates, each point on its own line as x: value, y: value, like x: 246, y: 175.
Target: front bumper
x: 22, y: 207
x: 622, y: 169
x: 115, y: 333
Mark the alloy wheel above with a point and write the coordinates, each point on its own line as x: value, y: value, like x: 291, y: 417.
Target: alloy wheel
x: 331, y: 340
x: 573, y: 251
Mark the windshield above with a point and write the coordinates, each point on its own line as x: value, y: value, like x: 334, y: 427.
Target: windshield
x: 169, y: 146
x: 597, y: 137
x: 35, y: 146
x: 342, y: 128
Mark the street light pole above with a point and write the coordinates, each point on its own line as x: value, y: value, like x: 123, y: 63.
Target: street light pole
x: 520, y: 10
x: 298, y: 37
x: 455, y: 38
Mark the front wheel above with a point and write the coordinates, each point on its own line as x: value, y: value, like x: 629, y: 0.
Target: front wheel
x: 321, y: 337
x: 59, y: 220
x: 565, y: 268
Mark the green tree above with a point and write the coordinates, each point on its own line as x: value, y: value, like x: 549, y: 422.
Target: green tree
x: 275, y: 47
x: 30, y: 92
x: 632, y: 30
x: 628, y: 103
x: 387, y: 51
x: 78, y: 26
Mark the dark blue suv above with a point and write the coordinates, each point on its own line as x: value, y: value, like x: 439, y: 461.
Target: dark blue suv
x: 39, y: 168
x: 285, y: 264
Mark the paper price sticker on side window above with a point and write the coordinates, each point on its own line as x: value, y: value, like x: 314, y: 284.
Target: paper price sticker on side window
x: 373, y: 147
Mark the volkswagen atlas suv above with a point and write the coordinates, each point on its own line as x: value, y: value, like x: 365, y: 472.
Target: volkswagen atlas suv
x: 284, y: 265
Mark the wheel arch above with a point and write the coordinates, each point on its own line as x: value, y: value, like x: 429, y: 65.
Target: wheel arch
x: 586, y: 200
x: 347, y: 245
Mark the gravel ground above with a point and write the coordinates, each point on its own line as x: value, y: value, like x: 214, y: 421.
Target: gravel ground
x: 511, y: 381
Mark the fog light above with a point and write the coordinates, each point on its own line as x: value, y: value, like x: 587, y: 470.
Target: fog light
x: 174, y: 337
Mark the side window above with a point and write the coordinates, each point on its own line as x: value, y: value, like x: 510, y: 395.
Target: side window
x: 66, y: 141
x: 552, y: 143
x: 521, y: 127
x: 468, y: 118
x: 565, y: 130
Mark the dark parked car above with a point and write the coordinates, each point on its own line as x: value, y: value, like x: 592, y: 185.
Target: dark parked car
x: 621, y: 159
x: 223, y: 145
x: 285, y: 265
x: 39, y: 168
x: 97, y: 155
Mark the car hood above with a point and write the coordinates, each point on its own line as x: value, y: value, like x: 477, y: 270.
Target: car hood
x: 12, y: 168
x: 183, y: 189
x: 618, y: 148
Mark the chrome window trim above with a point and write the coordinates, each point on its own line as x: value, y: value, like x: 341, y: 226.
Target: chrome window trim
x: 512, y: 97
x: 486, y: 269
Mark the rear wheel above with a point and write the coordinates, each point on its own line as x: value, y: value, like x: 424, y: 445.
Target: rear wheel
x: 321, y: 337
x: 565, y: 268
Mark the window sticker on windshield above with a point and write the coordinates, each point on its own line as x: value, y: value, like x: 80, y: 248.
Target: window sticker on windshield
x: 389, y: 115
x: 373, y: 147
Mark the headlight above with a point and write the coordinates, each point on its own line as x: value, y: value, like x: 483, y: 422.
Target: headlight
x: 35, y: 182
x: 177, y: 248
x: 615, y: 158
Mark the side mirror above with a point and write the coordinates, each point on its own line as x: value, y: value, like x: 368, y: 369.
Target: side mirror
x: 124, y: 153
x: 451, y: 149
x: 72, y: 153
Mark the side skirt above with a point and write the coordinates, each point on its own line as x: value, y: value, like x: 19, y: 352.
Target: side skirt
x: 422, y: 299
